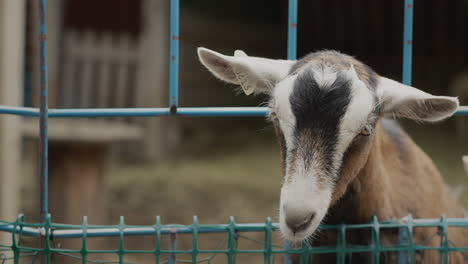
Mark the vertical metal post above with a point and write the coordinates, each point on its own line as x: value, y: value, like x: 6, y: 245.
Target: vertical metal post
x: 232, y: 241
x: 292, y: 30
x: 341, y: 244
x: 195, y: 239
x: 408, y: 41
x: 287, y: 257
x: 174, y: 57
x: 268, y: 245
x: 407, y: 69
x: 43, y: 125
x: 43, y: 95
x: 157, y: 250
x: 173, y: 246
x: 403, y: 241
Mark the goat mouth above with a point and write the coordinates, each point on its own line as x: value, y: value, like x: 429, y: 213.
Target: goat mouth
x: 301, y: 235
x: 298, y: 227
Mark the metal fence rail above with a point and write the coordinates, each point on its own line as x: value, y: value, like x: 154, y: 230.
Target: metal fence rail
x: 47, y: 231
x: 50, y: 232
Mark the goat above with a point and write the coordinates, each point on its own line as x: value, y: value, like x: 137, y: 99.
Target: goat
x: 342, y: 159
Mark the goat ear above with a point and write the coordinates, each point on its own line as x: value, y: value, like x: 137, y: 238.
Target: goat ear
x: 406, y: 101
x: 254, y: 75
x: 240, y: 53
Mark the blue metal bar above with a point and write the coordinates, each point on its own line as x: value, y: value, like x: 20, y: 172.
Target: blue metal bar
x: 136, y: 112
x: 462, y: 110
x: 116, y: 112
x: 223, y: 111
x: 292, y: 30
x: 21, y: 111
x: 151, y: 112
x: 131, y: 231
x: 408, y: 41
x: 76, y: 231
x: 174, y: 58
x: 43, y: 132
x: 27, y: 231
x: 407, y: 71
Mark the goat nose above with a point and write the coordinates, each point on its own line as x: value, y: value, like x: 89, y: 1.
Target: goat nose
x: 299, y: 223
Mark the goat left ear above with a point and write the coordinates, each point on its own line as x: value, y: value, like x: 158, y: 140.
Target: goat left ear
x: 406, y: 101
x: 253, y: 74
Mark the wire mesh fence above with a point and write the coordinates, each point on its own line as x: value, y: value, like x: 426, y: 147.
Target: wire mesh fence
x: 235, y: 243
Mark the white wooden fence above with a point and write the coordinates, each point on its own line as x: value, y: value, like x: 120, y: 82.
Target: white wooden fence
x: 96, y: 71
x: 99, y: 70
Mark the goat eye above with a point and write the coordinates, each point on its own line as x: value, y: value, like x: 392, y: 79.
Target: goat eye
x: 273, y: 116
x: 366, y: 131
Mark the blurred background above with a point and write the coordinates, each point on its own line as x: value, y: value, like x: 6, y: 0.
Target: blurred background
x: 115, y: 53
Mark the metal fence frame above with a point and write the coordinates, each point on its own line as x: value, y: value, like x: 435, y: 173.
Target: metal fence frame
x: 405, y: 247
x: 46, y: 229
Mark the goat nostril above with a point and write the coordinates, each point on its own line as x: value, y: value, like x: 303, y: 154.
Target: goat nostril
x: 297, y: 224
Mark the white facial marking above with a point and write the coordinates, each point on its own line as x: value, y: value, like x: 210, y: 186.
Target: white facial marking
x: 324, y: 77
x: 361, y: 105
x: 302, y: 196
x: 302, y: 193
x: 283, y: 110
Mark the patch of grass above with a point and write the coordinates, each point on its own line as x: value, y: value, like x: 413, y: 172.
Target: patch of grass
x: 243, y: 181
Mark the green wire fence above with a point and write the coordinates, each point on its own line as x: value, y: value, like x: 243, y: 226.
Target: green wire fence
x: 405, y: 249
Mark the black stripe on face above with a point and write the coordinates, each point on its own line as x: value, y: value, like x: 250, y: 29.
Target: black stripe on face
x: 282, y: 143
x: 318, y: 112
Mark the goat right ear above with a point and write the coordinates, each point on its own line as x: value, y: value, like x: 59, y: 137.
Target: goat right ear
x: 254, y: 75
x: 406, y: 101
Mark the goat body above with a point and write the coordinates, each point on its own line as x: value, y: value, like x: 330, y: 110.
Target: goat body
x: 343, y: 161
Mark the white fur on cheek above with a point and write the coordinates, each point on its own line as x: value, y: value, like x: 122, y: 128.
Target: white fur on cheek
x: 361, y: 105
x: 283, y: 108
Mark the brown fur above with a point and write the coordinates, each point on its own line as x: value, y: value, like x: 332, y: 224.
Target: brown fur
x: 376, y: 180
